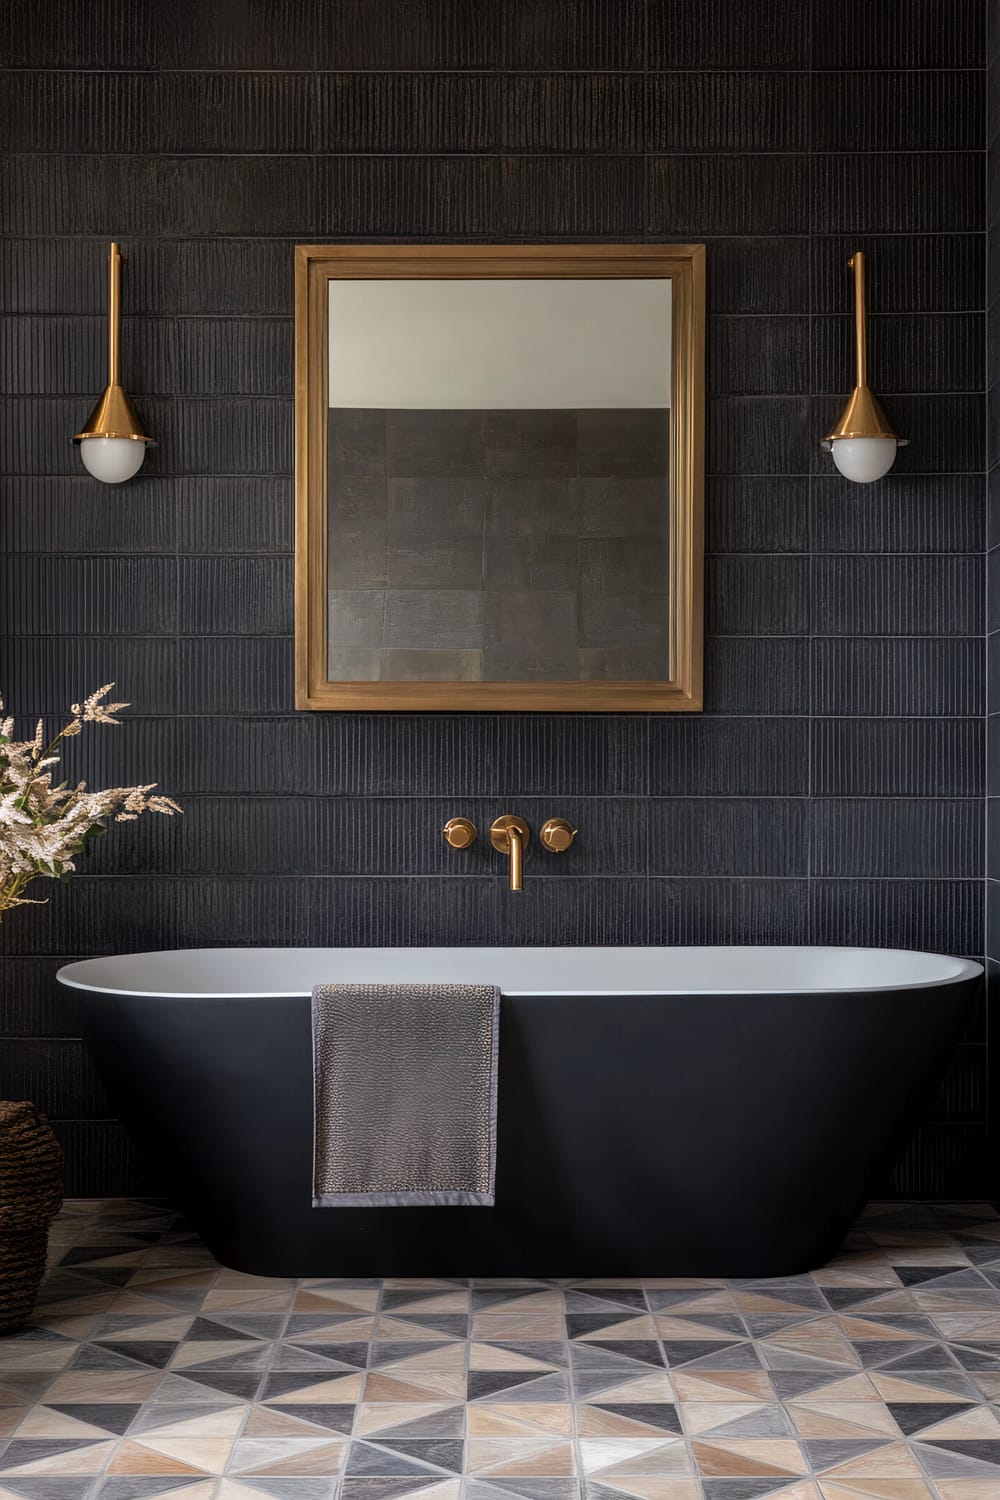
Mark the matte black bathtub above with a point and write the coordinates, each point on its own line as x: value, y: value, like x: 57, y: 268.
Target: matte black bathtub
x: 662, y: 1111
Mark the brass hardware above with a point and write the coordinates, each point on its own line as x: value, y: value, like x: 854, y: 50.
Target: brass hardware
x: 114, y: 415
x: 862, y: 417
x: 460, y: 832
x: 557, y: 835
x: 510, y: 835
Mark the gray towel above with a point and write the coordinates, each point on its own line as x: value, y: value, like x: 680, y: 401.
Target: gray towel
x: 405, y: 1094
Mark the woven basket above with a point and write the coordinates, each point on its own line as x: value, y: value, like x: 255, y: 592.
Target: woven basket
x: 31, y: 1164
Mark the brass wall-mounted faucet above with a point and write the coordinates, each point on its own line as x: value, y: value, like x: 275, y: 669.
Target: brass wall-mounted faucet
x: 511, y: 835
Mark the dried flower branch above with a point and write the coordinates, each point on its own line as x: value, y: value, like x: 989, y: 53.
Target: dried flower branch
x: 44, y: 827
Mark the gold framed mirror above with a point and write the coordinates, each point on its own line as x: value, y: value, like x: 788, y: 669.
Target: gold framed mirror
x: 499, y: 477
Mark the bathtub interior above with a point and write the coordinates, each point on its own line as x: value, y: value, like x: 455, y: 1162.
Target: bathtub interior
x: 221, y: 973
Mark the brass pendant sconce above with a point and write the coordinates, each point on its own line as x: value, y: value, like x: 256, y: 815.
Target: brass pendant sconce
x: 863, y: 444
x: 113, y: 443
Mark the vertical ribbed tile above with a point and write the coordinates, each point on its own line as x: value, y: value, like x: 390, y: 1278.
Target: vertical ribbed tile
x: 588, y: 34
x: 72, y: 515
x: 240, y: 675
x: 262, y: 837
x: 897, y: 757
x: 159, y: 112
x: 235, y: 596
x: 56, y: 1074
x: 100, y: 1161
x: 912, y: 352
x: 719, y: 757
x: 246, y: 757
x: 702, y: 836
x: 898, y: 111
x: 91, y: 915
x: 904, y: 273
x: 924, y: 34
x: 897, y: 595
x: 760, y: 356
x: 560, y: 754
x: 906, y: 513
x: 757, y: 595
x: 905, y: 837
x: 697, y: 195
x: 404, y: 196
x: 571, y: 195
x: 407, y: 112
x: 897, y: 192
x: 942, y: 1161
x: 693, y: 111
x: 961, y: 1094
x: 374, y: 34
x: 50, y: 35
x: 751, y: 276
x: 728, y: 911
x: 571, y: 112
x: 31, y: 1003
x: 87, y: 596
x: 757, y: 514
x: 760, y: 435
x: 915, y: 677
x: 217, y: 435
x: 756, y: 675
x: 248, y: 514
x: 936, y: 916
x: 717, y: 34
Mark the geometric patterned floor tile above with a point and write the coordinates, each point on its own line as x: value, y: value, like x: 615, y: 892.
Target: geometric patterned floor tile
x: 149, y: 1372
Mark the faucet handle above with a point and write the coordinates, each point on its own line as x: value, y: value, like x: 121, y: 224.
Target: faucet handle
x: 460, y: 832
x: 557, y: 834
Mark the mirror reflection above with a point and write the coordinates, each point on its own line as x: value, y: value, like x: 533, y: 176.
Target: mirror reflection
x: 498, y: 502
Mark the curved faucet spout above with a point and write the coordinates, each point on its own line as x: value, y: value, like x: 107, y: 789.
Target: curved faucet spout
x: 509, y: 835
x: 516, y: 843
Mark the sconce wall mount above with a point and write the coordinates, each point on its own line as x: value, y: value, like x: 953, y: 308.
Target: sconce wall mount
x: 863, y: 444
x: 113, y: 442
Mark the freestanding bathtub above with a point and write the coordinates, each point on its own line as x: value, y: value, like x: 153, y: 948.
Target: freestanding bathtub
x: 662, y: 1111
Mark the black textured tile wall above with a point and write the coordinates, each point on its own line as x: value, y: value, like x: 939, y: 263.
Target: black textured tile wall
x: 832, y: 790
x: 992, y: 247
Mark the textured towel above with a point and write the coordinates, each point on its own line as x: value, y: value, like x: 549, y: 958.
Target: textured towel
x: 405, y: 1094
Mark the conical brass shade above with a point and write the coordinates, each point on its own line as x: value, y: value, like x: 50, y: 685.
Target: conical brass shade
x: 114, y: 415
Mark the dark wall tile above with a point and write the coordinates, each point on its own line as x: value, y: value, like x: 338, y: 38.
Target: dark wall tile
x: 761, y: 435
x: 408, y: 196
x: 903, y: 273
x: 696, y: 34
x: 898, y: 111
x: 698, y: 195
x: 593, y: 34
x: 929, y: 352
x: 756, y: 275
x: 234, y: 596
x: 236, y: 113
x: 131, y: 596
x: 937, y: 916
x: 703, y: 836
x: 72, y: 515
x: 897, y: 192
x: 905, y: 837
x: 241, y: 675
x: 897, y: 595
x: 729, y: 911
x: 32, y: 1004
x: 862, y: 675
x: 897, y: 757
x: 927, y: 34
x: 551, y: 196
x: 56, y: 1075
x: 756, y: 675
x: 406, y: 112
x: 757, y: 595
x: 572, y: 112
x: 692, y: 111
x: 760, y: 356
x: 100, y: 1161
x: 757, y: 514
x: 718, y: 757
x: 905, y: 513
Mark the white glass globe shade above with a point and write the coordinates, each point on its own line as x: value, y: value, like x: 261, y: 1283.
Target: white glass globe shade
x: 864, y: 459
x: 112, y: 460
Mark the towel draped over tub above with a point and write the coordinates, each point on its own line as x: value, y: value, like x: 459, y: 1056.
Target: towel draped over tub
x: 405, y: 1094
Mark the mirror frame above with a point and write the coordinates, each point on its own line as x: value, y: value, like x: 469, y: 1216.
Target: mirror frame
x: 315, y: 267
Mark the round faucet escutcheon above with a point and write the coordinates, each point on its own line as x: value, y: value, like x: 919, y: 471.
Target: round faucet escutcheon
x: 460, y: 833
